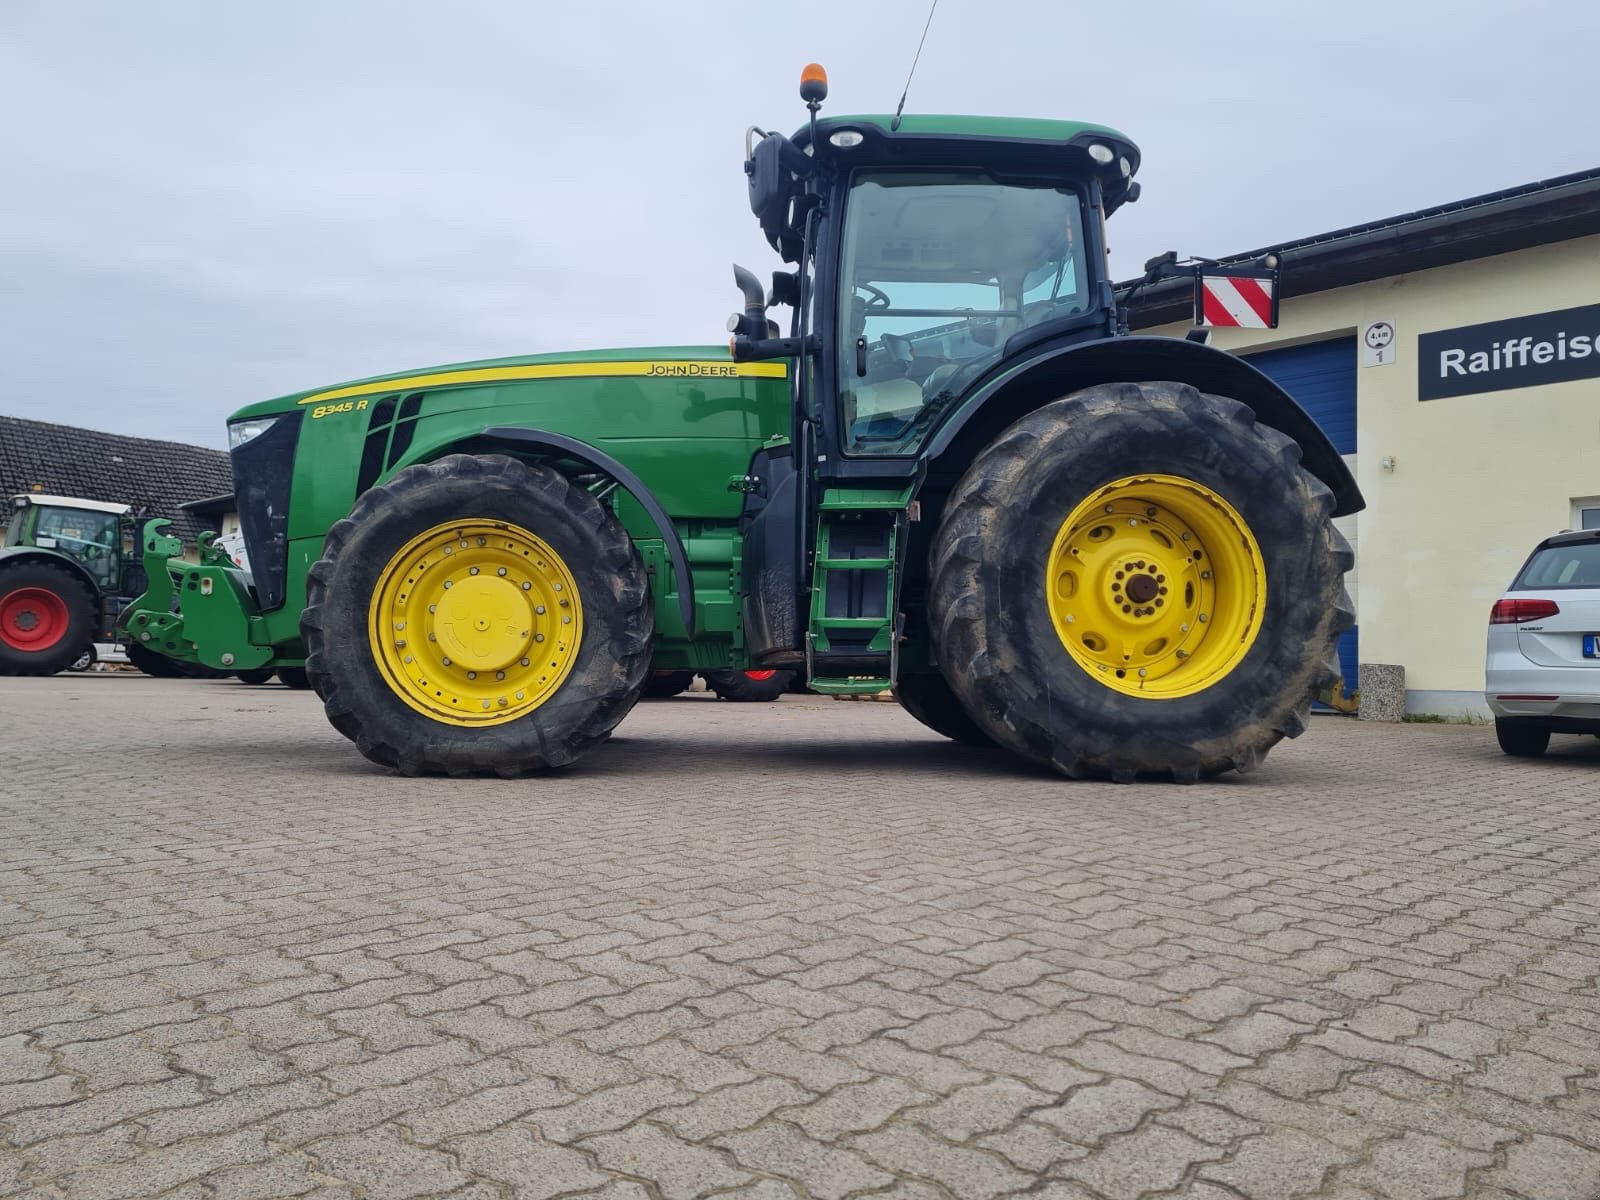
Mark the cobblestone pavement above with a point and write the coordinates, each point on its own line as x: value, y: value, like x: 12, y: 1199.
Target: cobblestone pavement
x: 773, y: 952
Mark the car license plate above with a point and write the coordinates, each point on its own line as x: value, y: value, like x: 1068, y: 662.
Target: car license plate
x: 1591, y: 645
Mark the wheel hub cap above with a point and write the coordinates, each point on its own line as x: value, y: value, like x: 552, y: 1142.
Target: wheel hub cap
x: 1156, y: 586
x: 32, y: 619
x: 476, y: 622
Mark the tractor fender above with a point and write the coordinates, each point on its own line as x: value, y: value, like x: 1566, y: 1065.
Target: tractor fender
x: 558, y: 445
x: 1056, y: 371
x: 13, y: 556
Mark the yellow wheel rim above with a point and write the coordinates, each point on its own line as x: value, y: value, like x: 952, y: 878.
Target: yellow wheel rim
x: 475, y: 622
x: 1156, y: 586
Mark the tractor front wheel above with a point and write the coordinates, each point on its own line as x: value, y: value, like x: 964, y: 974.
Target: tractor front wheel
x: 1139, y: 579
x: 664, y: 684
x: 294, y: 677
x: 46, y: 619
x: 756, y: 686
x: 477, y: 615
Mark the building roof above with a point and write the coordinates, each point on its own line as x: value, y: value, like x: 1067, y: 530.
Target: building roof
x: 1517, y: 218
x: 155, y: 478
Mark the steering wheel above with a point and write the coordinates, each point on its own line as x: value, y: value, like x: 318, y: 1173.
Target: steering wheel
x: 877, y: 298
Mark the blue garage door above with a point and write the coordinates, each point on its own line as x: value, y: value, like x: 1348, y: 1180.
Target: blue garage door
x: 1322, y: 379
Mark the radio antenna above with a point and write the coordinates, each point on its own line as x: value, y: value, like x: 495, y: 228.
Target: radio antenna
x: 900, y: 108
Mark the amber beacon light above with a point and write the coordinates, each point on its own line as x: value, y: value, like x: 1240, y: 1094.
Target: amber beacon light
x: 813, y: 84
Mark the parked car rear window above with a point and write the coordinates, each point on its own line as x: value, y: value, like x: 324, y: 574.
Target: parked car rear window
x: 1577, y: 565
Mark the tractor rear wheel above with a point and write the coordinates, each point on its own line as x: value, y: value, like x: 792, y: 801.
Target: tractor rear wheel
x: 663, y: 684
x: 1139, y: 579
x: 477, y: 615
x: 757, y: 686
x: 47, y: 619
x: 929, y: 699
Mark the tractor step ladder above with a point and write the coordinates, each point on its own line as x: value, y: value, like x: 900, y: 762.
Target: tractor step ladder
x: 852, y: 645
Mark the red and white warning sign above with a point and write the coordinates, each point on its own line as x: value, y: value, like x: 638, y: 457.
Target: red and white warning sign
x: 1239, y: 301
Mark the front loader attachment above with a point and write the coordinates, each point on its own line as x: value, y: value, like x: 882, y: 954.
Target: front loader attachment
x: 195, y: 612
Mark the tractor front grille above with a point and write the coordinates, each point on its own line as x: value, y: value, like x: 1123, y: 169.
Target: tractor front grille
x: 263, y: 472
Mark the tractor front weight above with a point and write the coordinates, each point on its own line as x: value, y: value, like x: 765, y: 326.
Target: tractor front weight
x: 201, y: 613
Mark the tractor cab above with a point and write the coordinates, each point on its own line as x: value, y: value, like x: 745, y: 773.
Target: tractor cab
x: 96, y: 535
x: 929, y: 252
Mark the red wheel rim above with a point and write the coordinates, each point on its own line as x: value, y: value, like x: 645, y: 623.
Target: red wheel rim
x: 758, y: 676
x: 32, y: 619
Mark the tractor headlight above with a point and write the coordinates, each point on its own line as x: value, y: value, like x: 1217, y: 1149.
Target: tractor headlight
x: 240, y: 432
x: 1102, y: 153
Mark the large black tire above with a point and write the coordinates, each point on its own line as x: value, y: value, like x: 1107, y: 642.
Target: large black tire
x: 989, y: 615
x: 158, y: 666
x: 611, y: 659
x: 662, y: 684
x: 753, y: 686
x: 929, y: 699
x: 259, y: 675
x: 43, y: 637
x: 294, y: 677
x: 1521, y: 738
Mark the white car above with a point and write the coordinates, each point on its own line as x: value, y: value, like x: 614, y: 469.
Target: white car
x: 1543, y: 673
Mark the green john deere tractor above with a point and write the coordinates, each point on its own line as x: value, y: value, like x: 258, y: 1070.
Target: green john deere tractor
x: 955, y: 476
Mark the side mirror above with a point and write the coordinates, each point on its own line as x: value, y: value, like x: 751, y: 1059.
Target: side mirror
x: 765, y: 169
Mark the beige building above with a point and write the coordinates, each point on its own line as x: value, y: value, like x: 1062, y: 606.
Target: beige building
x: 1453, y: 355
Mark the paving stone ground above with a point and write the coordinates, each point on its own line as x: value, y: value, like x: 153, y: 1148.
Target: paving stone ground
x: 805, y: 950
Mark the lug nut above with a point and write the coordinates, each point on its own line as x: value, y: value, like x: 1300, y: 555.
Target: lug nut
x: 433, y: 608
x: 538, y: 637
x: 1202, y: 616
x: 524, y: 663
x: 472, y: 674
x: 472, y: 570
x: 408, y: 658
x: 447, y: 583
x: 501, y: 571
x: 526, y: 586
x: 499, y: 674
x: 1205, y: 574
x: 539, y: 608
x: 447, y: 662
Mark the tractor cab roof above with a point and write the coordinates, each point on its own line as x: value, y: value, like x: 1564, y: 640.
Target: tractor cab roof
x: 27, y: 498
x: 1026, y: 144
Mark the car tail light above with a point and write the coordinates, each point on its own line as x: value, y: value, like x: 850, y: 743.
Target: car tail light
x: 1516, y: 612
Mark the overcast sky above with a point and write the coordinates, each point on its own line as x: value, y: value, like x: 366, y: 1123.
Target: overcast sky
x: 204, y: 204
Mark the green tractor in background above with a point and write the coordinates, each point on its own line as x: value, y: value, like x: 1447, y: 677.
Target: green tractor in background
x: 955, y: 476
x: 67, y: 568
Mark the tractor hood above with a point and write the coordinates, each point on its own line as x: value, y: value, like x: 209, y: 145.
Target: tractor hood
x: 662, y: 361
